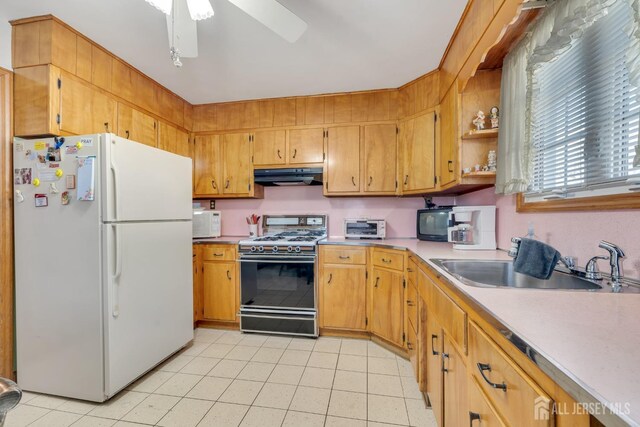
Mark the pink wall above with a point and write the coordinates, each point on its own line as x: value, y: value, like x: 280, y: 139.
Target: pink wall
x: 400, y: 213
x: 572, y: 233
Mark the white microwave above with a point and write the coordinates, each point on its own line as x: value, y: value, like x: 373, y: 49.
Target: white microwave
x: 364, y: 228
x: 207, y: 223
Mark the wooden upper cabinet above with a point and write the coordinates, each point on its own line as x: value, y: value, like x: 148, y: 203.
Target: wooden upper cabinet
x: 380, y: 158
x: 101, y: 64
x: 84, y: 58
x: 449, y: 126
x: 306, y: 146
x: 342, y: 168
x: 137, y: 126
x: 236, y: 163
x: 36, y: 101
x: 418, y: 153
x: 173, y: 140
x: 387, y: 305
x: 269, y: 148
x: 46, y: 41
x: 84, y: 109
x: 207, y: 168
x: 343, y: 291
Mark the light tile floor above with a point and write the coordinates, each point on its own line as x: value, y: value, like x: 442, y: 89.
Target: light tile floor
x: 225, y: 378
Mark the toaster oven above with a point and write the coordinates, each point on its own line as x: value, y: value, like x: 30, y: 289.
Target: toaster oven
x: 364, y: 228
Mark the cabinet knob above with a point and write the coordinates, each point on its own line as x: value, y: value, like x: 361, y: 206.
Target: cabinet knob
x: 409, y: 345
x: 344, y: 257
x: 445, y: 356
x: 106, y: 127
x: 486, y: 367
x: 410, y: 303
x: 386, y: 261
x: 217, y: 254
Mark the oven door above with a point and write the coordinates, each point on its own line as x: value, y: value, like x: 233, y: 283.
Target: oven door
x: 278, y: 282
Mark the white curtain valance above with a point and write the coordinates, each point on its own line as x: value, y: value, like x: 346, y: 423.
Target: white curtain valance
x: 555, y: 31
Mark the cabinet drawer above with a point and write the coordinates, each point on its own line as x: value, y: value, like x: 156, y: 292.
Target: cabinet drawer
x: 512, y: 391
x: 480, y: 410
x: 343, y: 255
x: 412, y: 305
x: 219, y: 253
x: 388, y: 259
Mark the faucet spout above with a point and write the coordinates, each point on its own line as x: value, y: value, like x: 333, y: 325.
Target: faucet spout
x: 616, y: 254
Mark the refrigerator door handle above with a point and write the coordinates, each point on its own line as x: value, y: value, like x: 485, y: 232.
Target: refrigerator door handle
x: 117, y: 270
x: 114, y: 172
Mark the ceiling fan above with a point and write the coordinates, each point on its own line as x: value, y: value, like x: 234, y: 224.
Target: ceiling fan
x: 182, y: 16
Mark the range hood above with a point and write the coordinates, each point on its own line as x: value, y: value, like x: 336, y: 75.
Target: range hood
x: 291, y: 176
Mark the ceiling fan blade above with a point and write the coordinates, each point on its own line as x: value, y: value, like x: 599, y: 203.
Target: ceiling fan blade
x: 182, y: 30
x: 274, y: 16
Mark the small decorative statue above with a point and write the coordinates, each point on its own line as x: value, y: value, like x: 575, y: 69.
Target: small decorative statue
x: 478, y: 121
x: 491, y: 160
x: 494, y: 115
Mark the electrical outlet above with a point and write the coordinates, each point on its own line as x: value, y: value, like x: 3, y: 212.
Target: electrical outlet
x: 212, y: 204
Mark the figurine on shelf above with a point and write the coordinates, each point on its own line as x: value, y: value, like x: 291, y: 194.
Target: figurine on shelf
x: 492, y: 160
x: 494, y: 115
x: 478, y: 121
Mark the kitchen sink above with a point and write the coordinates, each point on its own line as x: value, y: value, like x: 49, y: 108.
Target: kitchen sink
x: 501, y: 274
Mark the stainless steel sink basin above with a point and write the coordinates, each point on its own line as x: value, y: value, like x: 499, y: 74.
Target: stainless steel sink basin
x: 501, y: 274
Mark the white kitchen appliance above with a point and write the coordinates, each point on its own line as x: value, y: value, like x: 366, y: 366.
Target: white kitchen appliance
x: 364, y: 228
x: 103, y: 262
x: 472, y: 227
x: 206, y: 223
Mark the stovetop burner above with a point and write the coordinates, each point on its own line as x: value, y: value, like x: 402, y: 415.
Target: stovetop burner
x: 290, y: 233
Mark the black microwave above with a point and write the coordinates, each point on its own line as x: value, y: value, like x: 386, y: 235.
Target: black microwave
x: 432, y: 224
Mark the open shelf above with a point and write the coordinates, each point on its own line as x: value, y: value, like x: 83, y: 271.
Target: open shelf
x: 480, y: 174
x: 480, y: 134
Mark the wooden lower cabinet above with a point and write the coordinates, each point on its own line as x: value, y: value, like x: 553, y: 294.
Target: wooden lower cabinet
x: 197, y: 285
x: 387, y: 305
x: 433, y: 366
x: 481, y: 413
x: 454, y: 384
x: 217, y: 295
x: 343, y: 291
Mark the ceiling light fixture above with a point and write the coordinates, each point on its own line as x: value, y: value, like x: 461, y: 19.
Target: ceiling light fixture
x: 199, y: 9
x: 163, y: 6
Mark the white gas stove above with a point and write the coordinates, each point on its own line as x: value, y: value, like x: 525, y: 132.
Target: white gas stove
x: 287, y: 234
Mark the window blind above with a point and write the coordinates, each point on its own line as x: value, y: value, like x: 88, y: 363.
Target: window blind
x: 585, y: 115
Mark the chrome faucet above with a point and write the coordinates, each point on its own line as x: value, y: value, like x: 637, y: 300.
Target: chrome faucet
x: 615, y: 260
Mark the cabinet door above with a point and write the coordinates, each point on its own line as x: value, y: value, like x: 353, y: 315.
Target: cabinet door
x: 137, y: 126
x: 197, y: 284
x: 269, y: 148
x: 414, y: 350
x: 419, y: 154
x: 172, y: 139
x: 454, y: 370
x: 387, y: 305
x: 449, y: 137
x: 343, y: 160
x: 83, y: 109
x: 208, y: 161
x: 236, y: 164
x: 306, y: 146
x: 343, y: 289
x: 380, y: 158
x: 433, y: 364
x: 219, y: 290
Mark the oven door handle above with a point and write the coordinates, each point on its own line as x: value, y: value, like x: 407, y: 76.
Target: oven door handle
x: 279, y: 261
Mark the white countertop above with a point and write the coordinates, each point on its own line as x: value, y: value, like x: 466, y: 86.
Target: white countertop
x: 592, y: 337
x: 233, y: 240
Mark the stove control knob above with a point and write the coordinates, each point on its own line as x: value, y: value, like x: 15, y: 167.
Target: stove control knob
x: 290, y: 249
x: 297, y: 248
x: 274, y: 249
x: 253, y: 249
x: 260, y: 248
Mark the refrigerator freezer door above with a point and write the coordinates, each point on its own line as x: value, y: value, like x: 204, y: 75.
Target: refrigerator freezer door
x: 149, y: 296
x: 59, y: 329
x: 142, y: 183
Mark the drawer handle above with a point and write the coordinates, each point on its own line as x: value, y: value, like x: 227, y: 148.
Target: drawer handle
x: 377, y: 280
x: 344, y: 257
x: 330, y: 278
x: 279, y: 156
x: 218, y: 254
x: 388, y: 261
x: 486, y: 367
x: 409, y: 345
x: 433, y: 346
x: 410, y: 303
x: 445, y: 356
x: 228, y: 275
x: 474, y: 416
x: 213, y: 184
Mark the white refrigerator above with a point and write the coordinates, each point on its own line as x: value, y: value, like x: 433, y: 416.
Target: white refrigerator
x: 102, y: 262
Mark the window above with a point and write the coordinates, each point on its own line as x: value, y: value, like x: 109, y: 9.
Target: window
x: 585, y: 116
